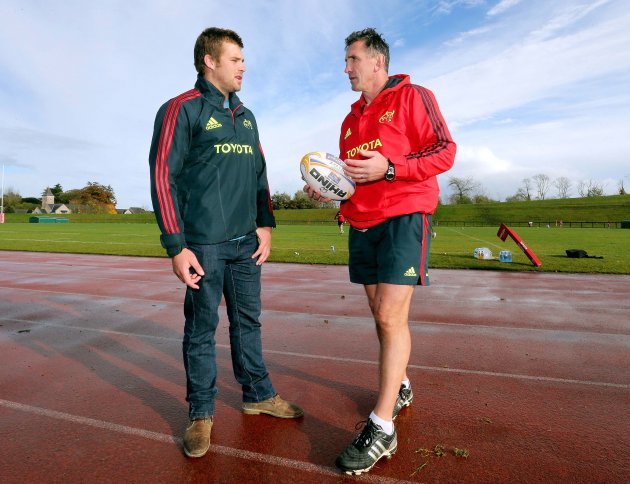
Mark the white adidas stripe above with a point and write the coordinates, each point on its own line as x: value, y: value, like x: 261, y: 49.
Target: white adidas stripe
x: 376, y: 450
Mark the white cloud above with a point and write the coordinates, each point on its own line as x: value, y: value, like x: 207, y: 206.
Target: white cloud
x: 528, y: 71
x: 566, y: 18
x: 465, y: 36
x: 286, y: 139
x: 446, y: 7
x: 573, y: 147
x: 554, y: 103
x: 502, y: 7
x: 481, y: 160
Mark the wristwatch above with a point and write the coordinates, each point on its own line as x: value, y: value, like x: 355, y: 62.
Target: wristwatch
x: 390, y: 174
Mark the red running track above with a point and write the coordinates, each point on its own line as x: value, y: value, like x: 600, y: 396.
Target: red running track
x: 528, y: 372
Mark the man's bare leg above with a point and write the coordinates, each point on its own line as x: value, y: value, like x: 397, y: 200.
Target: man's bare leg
x: 390, y: 305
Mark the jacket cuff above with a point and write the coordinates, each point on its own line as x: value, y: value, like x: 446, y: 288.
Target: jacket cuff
x: 173, y: 243
x: 266, y: 220
x: 400, y: 166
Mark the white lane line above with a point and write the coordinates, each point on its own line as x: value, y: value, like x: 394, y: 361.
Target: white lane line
x: 169, y: 439
x: 456, y: 370
x: 267, y: 312
x: 514, y: 376
x: 620, y: 306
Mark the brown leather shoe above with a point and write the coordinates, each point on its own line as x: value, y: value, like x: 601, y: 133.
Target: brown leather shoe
x: 197, y: 437
x: 276, y: 407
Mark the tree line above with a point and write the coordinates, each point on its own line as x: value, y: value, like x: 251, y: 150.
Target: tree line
x: 538, y: 187
x: 97, y: 198
x: 283, y: 201
x: 468, y: 190
x: 92, y: 198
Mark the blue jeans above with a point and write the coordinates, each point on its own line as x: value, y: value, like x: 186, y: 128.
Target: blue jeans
x: 231, y: 271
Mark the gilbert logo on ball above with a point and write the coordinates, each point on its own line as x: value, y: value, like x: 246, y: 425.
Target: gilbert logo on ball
x: 323, y: 172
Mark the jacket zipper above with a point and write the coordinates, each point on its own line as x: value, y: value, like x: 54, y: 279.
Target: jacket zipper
x: 232, y: 113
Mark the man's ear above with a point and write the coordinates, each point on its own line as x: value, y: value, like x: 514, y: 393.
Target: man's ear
x: 209, y: 61
x: 380, y: 63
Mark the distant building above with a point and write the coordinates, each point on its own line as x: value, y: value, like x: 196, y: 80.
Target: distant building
x: 49, y: 205
x: 130, y: 210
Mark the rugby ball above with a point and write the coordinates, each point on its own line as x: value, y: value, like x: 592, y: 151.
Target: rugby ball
x: 323, y: 172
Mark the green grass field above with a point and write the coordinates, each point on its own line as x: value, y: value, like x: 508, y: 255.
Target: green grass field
x: 312, y: 244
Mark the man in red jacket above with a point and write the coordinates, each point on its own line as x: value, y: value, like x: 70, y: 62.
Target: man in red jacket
x: 394, y: 142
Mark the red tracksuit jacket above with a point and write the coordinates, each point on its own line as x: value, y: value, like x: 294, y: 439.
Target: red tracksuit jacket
x: 404, y: 124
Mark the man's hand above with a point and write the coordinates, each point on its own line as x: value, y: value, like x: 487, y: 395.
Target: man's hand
x: 186, y: 267
x: 372, y: 168
x: 264, y: 245
x: 315, y: 195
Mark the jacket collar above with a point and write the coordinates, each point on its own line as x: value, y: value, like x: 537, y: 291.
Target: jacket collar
x: 395, y: 83
x: 212, y: 94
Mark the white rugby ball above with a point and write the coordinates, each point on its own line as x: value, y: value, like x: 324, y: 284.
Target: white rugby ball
x: 323, y: 172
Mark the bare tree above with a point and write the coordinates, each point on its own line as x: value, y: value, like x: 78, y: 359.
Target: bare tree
x: 563, y: 185
x: 595, y: 189
x: 542, y: 185
x: 622, y: 190
x: 480, y: 195
x: 590, y: 188
x: 525, y: 190
x: 519, y: 196
x: 582, y: 188
x: 463, y: 188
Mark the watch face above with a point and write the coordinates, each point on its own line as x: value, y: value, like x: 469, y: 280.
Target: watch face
x: 389, y: 174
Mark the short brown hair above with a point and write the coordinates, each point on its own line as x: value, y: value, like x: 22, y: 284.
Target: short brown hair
x: 374, y: 42
x: 210, y: 42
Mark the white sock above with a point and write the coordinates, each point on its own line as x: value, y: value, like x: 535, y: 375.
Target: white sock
x: 406, y: 383
x: 387, y: 426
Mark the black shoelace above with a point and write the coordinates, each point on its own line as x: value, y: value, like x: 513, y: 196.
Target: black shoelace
x: 365, y: 438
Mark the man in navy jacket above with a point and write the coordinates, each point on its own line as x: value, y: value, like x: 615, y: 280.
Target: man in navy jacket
x: 211, y: 200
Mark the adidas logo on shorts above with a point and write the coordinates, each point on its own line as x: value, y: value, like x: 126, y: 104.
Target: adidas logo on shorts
x: 411, y: 272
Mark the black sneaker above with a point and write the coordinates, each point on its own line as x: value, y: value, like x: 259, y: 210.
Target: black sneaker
x: 404, y: 399
x: 366, y: 449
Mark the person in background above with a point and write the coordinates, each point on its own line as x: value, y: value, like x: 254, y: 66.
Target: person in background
x: 341, y: 220
x: 211, y: 200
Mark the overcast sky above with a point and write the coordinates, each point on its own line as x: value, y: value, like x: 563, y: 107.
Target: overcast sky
x: 526, y: 86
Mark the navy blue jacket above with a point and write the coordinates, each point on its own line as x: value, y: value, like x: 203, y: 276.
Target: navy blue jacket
x: 208, y: 171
